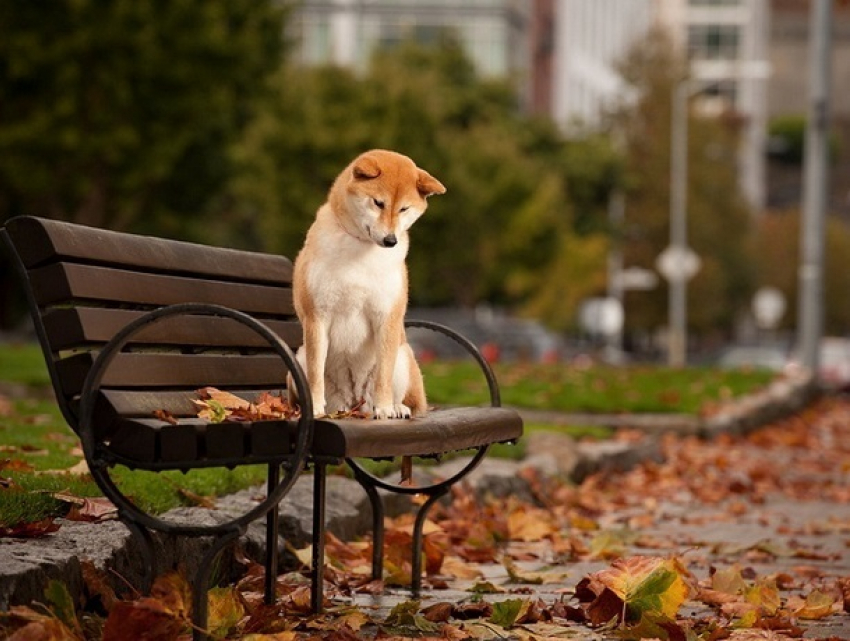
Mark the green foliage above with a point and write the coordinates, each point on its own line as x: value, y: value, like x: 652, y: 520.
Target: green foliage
x: 118, y: 112
x: 23, y: 363
x: 776, y: 247
x: 788, y: 135
x: 788, y: 139
x: 500, y: 232
x: 714, y: 204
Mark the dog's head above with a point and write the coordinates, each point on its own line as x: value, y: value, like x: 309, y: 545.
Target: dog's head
x: 381, y: 194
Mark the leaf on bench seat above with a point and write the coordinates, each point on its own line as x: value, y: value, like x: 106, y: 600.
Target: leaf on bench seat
x: 218, y: 406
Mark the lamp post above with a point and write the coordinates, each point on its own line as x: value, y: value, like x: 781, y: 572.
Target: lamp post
x: 810, y: 311
x: 678, y: 263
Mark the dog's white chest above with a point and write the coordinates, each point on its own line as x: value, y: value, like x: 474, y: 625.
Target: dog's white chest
x: 356, y: 283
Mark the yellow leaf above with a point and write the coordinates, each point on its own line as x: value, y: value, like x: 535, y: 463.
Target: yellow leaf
x: 816, y: 606
x: 765, y: 596
x: 458, y: 568
x: 729, y: 580
x: 517, y: 575
x: 530, y: 524
x: 225, y: 610
x: 647, y: 585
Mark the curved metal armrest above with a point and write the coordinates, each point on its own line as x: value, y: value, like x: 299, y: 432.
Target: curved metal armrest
x: 93, y: 381
x: 469, y: 346
x: 365, y: 477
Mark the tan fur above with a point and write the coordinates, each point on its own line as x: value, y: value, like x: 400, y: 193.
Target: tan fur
x: 350, y: 288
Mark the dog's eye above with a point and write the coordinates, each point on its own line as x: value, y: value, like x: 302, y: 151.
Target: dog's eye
x: 405, y: 208
x: 378, y: 203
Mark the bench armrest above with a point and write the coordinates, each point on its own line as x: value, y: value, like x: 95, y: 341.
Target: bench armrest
x: 469, y: 346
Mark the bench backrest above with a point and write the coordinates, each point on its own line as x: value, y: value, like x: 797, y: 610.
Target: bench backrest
x: 85, y: 284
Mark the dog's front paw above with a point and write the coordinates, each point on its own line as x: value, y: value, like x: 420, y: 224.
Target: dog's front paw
x: 318, y: 409
x: 391, y: 411
x: 380, y: 412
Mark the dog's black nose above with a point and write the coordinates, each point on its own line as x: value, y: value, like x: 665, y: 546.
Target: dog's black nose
x: 390, y: 240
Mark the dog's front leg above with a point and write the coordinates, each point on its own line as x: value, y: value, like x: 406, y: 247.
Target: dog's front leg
x: 389, y: 336
x: 316, y: 353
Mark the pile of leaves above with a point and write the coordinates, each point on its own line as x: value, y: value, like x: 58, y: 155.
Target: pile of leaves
x: 217, y: 406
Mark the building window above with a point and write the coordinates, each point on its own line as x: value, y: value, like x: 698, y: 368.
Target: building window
x: 713, y: 42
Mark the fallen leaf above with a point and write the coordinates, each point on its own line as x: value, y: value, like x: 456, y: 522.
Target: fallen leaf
x: 166, y: 416
x: 507, y: 613
x: 32, y: 530
x: 89, y: 509
x: 225, y: 610
x: 816, y: 605
x: 642, y: 585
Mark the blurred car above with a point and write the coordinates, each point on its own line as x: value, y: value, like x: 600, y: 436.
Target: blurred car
x: 767, y: 357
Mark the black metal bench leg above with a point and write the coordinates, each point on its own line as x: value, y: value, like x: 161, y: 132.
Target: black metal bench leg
x: 272, y: 525
x: 200, y: 602
x: 418, y: 539
x: 377, y: 523
x: 145, y: 538
x: 318, y: 570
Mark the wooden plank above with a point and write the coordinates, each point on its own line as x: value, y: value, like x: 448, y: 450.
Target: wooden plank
x: 65, y: 282
x: 437, y: 432
x: 69, y: 327
x: 143, y: 403
x: 39, y: 240
x: 150, y: 443
x: 163, y: 371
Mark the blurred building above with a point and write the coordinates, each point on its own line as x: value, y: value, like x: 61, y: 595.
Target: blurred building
x: 591, y: 38
x: 748, y: 57
x: 726, y: 43
x: 494, y: 33
x: 788, y: 95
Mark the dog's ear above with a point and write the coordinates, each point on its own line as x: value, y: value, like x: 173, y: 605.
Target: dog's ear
x: 427, y: 185
x: 366, y: 168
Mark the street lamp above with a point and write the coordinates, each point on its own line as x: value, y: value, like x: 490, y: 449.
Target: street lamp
x: 678, y: 263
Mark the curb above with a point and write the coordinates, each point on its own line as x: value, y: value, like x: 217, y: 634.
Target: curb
x: 27, y: 566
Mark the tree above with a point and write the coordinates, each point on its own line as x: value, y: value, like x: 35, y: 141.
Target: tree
x: 776, y: 247
x: 715, y: 207
x: 506, y: 231
x: 119, y: 113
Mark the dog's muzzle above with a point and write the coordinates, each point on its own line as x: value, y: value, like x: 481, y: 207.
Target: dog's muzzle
x: 390, y: 240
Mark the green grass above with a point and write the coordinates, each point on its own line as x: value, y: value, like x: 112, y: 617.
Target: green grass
x: 23, y: 363
x: 35, y: 436
x: 33, y: 432
x: 638, y: 389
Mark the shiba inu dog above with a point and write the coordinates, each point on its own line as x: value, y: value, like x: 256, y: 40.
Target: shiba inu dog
x: 350, y: 289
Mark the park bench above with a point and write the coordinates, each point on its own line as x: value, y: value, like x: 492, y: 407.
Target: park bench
x: 131, y: 325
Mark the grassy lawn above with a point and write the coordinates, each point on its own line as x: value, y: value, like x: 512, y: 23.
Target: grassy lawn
x: 636, y: 389
x: 36, y: 442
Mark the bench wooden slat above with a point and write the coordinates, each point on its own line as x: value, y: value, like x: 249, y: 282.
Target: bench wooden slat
x: 65, y: 282
x: 154, y: 371
x: 39, y: 240
x: 143, y: 403
x: 70, y: 327
x: 194, y: 442
x: 437, y: 432
x: 148, y: 440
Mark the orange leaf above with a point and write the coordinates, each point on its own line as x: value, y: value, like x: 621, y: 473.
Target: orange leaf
x: 145, y: 618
